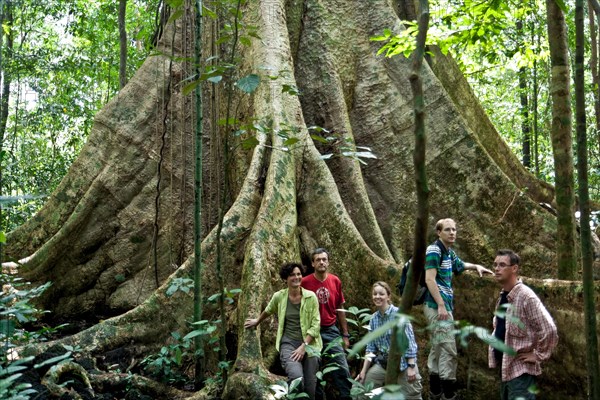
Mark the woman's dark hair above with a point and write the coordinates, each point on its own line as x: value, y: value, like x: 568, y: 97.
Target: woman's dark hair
x: 286, y: 269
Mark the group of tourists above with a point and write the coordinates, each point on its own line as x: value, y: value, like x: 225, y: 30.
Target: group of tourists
x: 313, y: 330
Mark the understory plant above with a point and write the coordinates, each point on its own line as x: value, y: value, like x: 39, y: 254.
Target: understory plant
x: 17, y: 313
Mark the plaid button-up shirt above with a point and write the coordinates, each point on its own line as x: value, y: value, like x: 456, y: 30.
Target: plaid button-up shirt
x: 535, y: 332
x: 381, y: 345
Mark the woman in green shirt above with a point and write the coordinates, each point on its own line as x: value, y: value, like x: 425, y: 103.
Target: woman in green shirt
x: 298, y: 333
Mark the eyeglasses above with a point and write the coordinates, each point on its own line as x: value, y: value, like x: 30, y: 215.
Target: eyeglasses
x: 501, y: 265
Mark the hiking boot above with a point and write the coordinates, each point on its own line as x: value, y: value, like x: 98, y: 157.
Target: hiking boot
x: 435, y: 396
x: 449, y: 389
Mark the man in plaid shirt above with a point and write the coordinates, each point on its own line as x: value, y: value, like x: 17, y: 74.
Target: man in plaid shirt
x: 527, y: 327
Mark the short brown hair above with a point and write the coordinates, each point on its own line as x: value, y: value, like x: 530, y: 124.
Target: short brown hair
x: 514, y: 257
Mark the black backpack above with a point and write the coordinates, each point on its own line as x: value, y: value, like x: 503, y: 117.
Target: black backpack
x: 421, y: 288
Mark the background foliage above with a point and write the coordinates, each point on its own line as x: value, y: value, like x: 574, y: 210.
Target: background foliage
x: 63, y: 65
x: 64, y: 61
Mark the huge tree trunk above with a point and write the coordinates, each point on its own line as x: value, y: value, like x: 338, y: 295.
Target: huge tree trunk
x: 93, y: 238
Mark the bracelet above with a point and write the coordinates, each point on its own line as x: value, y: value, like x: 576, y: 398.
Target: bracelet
x: 346, y: 335
x: 306, y: 344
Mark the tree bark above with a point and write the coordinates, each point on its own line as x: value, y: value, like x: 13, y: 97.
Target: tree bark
x: 594, y: 10
x: 587, y: 256
x: 94, y: 236
x: 6, y: 48
x: 562, y: 142
x: 535, y: 93
x: 122, y: 44
x: 200, y: 364
x: 525, y: 123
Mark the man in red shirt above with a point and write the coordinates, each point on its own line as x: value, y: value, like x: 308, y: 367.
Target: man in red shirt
x: 328, y: 289
x: 526, y: 326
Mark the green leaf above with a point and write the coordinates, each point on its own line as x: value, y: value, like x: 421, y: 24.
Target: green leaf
x: 359, y: 154
x: 317, y: 129
x: 245, y: 40
x: 562, y: 5
x: 175, y: 16
x: 2, y: 237
x: 213, y: 298
x: 7, y: 327
x: 232, y: 292
x: 215, y: 79
x: 175, y: 3
x: 178, y: 356
x: 208, y: 12
x: 369, y: 337
x: 291, y: 141
x: 248, y: 83
x: 194, y: 333
x: 290, y: 89
x: 230, y: 121
x: 319, y: 138
x: 250, y: 143
x: 53, y: 360
x: 330, y: 369
x: 187, y: 89
x: 485, y: 336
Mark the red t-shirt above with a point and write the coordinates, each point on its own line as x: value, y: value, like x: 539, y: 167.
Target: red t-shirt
x: 329, y: 293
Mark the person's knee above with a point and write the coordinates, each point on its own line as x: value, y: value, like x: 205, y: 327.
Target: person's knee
x: 294, y: 370
x: 376, y: 375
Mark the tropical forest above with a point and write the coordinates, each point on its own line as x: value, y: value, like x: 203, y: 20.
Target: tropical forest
x: 162, y: 162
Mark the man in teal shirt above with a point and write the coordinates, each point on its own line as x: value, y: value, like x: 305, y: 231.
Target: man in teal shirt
x: 440, y: 264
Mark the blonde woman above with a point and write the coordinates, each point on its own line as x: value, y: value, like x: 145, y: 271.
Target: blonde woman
x: 375, y: 363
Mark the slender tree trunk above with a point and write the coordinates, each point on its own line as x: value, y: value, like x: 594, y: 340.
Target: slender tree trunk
x: 562, y: 142
x: 198, y: 342
x: 525, y: 125
x: 6, y: 47
x: 122, y: 44
x: 6, y: 19
x: 422, y: 190
x: 225, y: 190
x: 584, y: 205
x: 535, y: 93
x: 594, y: 9
x: 525, y: 128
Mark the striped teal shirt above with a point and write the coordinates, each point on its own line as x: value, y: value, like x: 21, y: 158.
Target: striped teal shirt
x: 446, y: 262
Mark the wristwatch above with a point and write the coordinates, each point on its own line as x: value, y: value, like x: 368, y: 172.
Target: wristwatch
x: 411, y: 365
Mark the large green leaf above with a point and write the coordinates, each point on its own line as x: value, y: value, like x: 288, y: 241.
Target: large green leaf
x: 248, y: 83
x: 7, y: 327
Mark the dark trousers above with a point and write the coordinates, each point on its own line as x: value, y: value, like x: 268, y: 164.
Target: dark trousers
x: 518, y: 388
x: 333, y: 354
